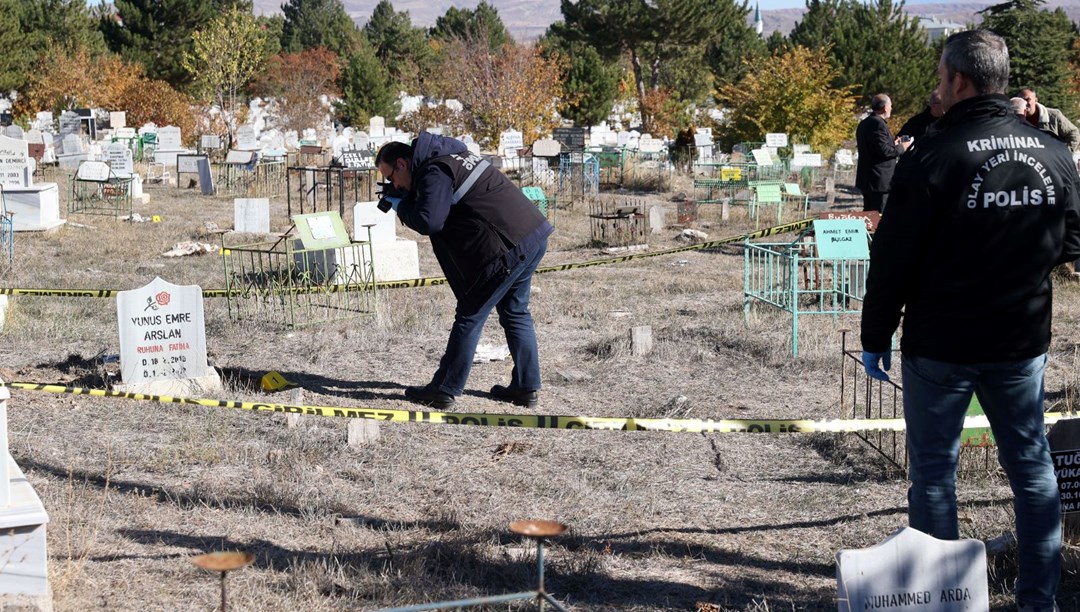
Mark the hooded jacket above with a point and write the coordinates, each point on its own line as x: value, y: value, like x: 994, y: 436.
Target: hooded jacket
x: 1055, y: 122
x: 479, y: 239
x: 981, y: 210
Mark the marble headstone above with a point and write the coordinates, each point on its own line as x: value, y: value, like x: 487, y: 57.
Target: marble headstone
x: 162, y: 333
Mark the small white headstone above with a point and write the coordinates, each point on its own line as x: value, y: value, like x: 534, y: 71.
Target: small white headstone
x: 511, y: 139
x: 73, y: 144
x: 622, y: 138
x: 776, y: 140
x: 44, y: 121
x: 162, y: 332
x: 383, y: 225
x: 762, y: 157
x: 35, y: 136
x: 361, y: 141
x: 546, y: 147
x: 702, y: 139
x: 844, y: 157
x: 245, y: 138
x: 648, y: 144
x: 94, y: 171
x: 119, y: 157
x: 251, y: 215
x: 913, y: 571
x: 14, y: 162
x: 239, y: 157
x: 126, y: 133
x: 188, y: 164
x: 656, y: 219
x: 806, y: 160
x: 169, y: 139
x: 117, y: 119
x: 70, y: 123
x: 14, y: 131
x: 377, y: 122
x: 800, y: 148
x: 209, y: 141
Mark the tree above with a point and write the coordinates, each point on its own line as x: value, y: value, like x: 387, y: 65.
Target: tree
x: 149, y: 101
x: 318, y: 23
x: 299, y: 81
x: 590, y: 83
x: 515, y: 87
x: 30, y: 27
x: 733, y: 44
x: 63, y: 80
x: 656, y: 35
x: 1040, y: 49
x: 367, y: 89
x: 483, y: 23
x: 226, y: 55
x: 400, y: 46
x: 157, y: 34
x: 790, y: 93
x: 878, y: 47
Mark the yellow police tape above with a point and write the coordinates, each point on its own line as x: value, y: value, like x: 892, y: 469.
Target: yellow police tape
x: 538, y: 421
x: 431, y: 281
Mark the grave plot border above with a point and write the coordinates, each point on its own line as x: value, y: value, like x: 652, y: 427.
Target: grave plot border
x: 618, y: 224
x: 110, y: 197
x: 315, y: 189
x: 279, y: 283
x: 263, y: 178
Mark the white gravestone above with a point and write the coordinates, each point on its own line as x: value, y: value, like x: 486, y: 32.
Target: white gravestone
x: 163, y: 339
x: 776, y: 140
x: 622, y: 139
x: 119, y: 157
x: 394, y: 258
x: 251, y: 215
x: 169, y: 138
x: 73, y: 145
x: 126, y: 133
x: 14, y: 131
x: 14, y: 163
x: 546, y: 147
x: 913, y: 571
x: 70, y: 123
x: 648, y: 144
x: 209, y: 141
x: 93, y: 171
x: 245, y: 138
x: 762, y: 157
x: 117, y: 119
x: 510, y: 141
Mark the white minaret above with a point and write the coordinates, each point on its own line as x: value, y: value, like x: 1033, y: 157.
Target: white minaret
x: 759, y: 24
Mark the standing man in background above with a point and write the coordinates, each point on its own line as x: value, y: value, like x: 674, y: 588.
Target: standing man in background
x: 985, y: 188
x: 878, y: 151
x: 916, y: 126
x: 1050, y: 120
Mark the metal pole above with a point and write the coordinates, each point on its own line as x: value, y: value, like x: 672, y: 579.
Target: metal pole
x: 540, y: 573
x: 223, y: 592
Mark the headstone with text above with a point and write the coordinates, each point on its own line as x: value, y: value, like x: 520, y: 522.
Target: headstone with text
x: 120, y: 160
x: 245, y: 138
x: 209, y: 141
x: 163, y: 338
x: 169, y: 139
x: 571, y: 139
x: 841, y: 239
x: 14, y: 163
x: 117, y: 119
x: 910, y: 570
x: 509, y: 143
x: 776, y: 140
x: 546, y: 147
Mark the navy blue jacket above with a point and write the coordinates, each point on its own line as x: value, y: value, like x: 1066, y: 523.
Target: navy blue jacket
x: 489, y: 231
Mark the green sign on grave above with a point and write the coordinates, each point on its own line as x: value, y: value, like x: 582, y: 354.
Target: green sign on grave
x: 976, y: 436
x: 841, y: 239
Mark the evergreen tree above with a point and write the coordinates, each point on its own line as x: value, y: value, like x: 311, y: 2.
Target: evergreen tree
x: 733, y: 44
x: 777, y: 43
x: 878, y: 48
x: 31, y: 27
x: 318, y: 23
x: 590, y: 83
x: 482, y: 23
x: 367, y: 89
x: 1040, y: 48
x: 663, y: 39
x: 157, y: 33
x: 402, y: 48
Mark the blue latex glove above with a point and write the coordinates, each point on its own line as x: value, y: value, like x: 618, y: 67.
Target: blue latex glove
x: 393, y: 202
x: 870, y: 363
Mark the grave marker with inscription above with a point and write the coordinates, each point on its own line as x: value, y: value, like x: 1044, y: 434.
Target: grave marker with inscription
x: 14, y: 162
x: 163, y: 336
x: 120, y: 160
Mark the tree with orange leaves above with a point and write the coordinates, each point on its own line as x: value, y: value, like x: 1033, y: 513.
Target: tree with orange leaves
x: 298, y: 81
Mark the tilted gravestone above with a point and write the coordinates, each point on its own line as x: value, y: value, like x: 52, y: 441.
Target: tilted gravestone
x: 910, y: 570
x: 163, y: 339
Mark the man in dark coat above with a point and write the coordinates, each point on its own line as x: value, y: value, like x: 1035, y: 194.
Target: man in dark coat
x: 878, y: 151
x: 488, y: 238
x: 916, y: 126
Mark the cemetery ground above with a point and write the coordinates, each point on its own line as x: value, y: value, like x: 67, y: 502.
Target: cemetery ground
x: 658, y: 521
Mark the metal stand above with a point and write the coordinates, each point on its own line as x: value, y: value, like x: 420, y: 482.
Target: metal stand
x: 223, y: 562
x: 536, y: 530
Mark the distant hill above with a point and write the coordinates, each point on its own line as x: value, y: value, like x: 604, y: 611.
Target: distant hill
x: 528, y: 19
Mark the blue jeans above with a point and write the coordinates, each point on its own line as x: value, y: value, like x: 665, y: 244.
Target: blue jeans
x: 510, y: 299
x: 936, y: 398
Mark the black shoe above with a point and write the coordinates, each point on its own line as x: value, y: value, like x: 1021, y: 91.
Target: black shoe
x: 429, y: 397
x: 517, y: 397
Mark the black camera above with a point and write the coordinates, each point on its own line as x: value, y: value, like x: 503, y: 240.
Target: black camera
x: 385, y: 189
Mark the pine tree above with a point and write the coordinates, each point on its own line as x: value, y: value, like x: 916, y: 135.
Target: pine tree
x: 483, y: 23
x: 318, y: 23
x: 402, y: 48
x: 30, y: 27
x: 1040, y: 48
x: 367, y: 89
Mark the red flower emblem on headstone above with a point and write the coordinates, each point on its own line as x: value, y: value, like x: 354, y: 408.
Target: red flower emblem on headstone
x: 162, y: 298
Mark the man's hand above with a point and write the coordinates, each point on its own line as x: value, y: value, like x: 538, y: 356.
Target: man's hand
x: 870, y: 364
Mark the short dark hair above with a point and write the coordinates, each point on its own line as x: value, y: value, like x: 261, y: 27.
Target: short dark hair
x: 879, y: 102
x: 982, y: 56
x: 393, y: 151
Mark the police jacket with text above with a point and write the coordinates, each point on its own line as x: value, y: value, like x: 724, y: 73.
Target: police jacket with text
x: 982, y: 209
x: 479, y: 239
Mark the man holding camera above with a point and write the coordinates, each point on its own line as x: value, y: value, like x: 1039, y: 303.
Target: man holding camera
x: 878, y: 151
x: 489, y: 239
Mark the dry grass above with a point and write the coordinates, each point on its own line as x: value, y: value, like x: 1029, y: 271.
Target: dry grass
x: 659, y: 521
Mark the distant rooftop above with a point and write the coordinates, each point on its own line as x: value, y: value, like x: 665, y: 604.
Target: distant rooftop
x: 936, y: 29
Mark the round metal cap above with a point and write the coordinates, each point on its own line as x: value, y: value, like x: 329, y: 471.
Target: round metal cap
x: 538, y: 528
x: 224, y: 561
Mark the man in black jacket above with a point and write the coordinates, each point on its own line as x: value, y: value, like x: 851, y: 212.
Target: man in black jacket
x: 488, y: 238
x: 981, y: 211
x: 917, y: 125
x: 878, y: 151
